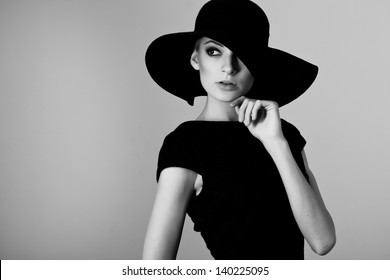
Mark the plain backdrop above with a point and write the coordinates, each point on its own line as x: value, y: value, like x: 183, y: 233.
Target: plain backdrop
x: 81, y: 121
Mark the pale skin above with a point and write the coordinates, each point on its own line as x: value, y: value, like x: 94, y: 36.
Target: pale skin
x: 217, y: 63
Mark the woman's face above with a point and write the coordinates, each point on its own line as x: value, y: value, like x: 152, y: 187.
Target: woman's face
x: 223, y: 76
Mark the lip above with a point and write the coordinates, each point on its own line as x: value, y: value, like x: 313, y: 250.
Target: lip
x: 227, y: 85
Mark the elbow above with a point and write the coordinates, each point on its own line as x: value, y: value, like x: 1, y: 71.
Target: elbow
x: 157, y: 256
x: 155, y: 252
x: 323, y: 247
x: 325, y: 240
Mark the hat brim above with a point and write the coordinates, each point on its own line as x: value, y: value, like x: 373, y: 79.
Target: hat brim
x: 282, y: 77
x: 279, y: 76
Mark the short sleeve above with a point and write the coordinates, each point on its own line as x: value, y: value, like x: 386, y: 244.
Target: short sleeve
x: 176, y: 151
x: 296, y: 143
x: 293, y: 136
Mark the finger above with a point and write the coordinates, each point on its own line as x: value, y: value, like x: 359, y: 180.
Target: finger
x: 271, y: 107
x: 237, y: 110
x: 248, y: 112
x: 268, y: 104
x: 238, y: 101
x: 241, y: 114
x: 256, y: 109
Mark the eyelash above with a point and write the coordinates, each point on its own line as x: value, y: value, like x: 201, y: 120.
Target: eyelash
x: 213, y: 51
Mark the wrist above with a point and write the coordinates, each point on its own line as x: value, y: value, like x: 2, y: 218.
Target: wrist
x: 276, y: 145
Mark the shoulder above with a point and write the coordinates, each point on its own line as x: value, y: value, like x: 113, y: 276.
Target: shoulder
x: 180, y: 136
x: 182, y: 130
x: 180, y: 149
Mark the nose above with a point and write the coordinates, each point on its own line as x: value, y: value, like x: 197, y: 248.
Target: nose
x: 230, y: 64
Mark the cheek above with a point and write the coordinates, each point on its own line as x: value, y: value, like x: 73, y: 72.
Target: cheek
x: 203, y: 76
x: 249, y: 80
x: 205, y: 72
x: 205, y: 66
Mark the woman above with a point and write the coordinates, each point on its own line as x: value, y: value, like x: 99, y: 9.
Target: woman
x: 238, y: 170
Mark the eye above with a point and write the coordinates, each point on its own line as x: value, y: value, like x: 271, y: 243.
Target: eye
x: 212, y: 51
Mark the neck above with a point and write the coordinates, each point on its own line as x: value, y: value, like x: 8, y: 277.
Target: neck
x: 215, y: 110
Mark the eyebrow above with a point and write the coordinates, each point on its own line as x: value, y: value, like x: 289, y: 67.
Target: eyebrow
x: 215, y: 42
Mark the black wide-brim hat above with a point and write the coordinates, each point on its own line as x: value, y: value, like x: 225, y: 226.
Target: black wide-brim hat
x: 242, y: 27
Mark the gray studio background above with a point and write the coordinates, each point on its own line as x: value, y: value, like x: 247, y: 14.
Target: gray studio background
x: 81, y: 122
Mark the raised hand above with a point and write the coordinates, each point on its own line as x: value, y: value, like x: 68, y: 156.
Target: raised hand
x: 261, y: 117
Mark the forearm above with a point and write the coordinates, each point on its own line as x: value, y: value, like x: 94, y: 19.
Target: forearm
x: 307, y: 206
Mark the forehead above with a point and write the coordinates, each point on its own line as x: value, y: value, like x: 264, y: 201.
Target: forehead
x: 207, y: 40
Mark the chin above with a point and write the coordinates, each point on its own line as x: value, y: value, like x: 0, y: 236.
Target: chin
x: 226, y: 96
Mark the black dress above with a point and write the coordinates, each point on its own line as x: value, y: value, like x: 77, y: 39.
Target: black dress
x: 242, y: 211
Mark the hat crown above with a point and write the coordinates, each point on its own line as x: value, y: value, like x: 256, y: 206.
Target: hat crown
x: 243, y: 19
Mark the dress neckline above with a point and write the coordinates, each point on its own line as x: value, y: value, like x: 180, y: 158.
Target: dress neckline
x: 212, y: 122
x: 214, y: 125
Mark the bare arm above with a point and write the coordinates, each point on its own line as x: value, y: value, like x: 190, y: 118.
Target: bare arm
x: 163, y: 235
x: 305, y: 199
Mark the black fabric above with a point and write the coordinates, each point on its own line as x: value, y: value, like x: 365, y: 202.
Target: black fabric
x: 242, y: 211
